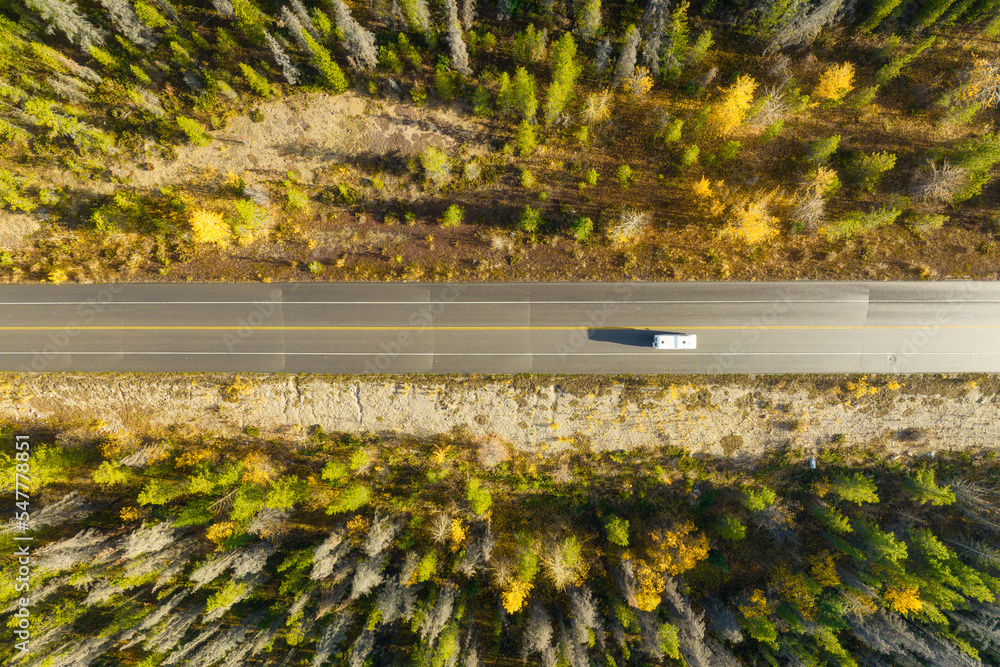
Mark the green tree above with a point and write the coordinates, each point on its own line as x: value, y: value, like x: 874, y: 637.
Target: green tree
x: 436, y: 164
x: 452, y: 216
x: 832, y: 518
x: 194, y: 130
x: 529, y: 45
x: 481, y: 102
x: 856, y: 222
x: 350, y: 499
x: 756, y: 500
x: 922, y: 488
x: 478, y: 497
x: 529, y: 219
x: 617, y: 530
x: 525, y: 138
x: 854, y: 488
x: 624, y: 175
x: 250, y: 19
x: 731, y: 528
x: 112, y: 473
x: 523, y: 94
x: 821, y: 150
x: 427, y: 566
x: 332, y: 75
x: 565, y: 71
x: 976, y: 156
x: 257, y: 83
x: 505, y: 94
x: 867, y: 170
x: 588, y: 19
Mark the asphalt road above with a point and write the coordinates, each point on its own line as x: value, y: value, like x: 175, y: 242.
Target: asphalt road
x: 795, y: 327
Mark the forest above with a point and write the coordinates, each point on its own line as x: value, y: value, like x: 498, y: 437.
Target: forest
x: 233, y: 140
x: 353, y: 549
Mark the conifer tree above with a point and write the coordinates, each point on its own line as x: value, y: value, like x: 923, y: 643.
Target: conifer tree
x: 625, y: 67
x: 125, y: 20
x: 523, y: 91
x: 64, y: 15
x: 459, y: 54
x: 588, y: 19
x: 359, y: 42
x: 654, y: 23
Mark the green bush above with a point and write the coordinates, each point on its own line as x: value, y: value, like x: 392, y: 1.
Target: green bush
x: 528, y: 179
x: 529, y: 219
x: 427, y: 566
x: 582, y: 228
x: 359, y: 459
x: 690, y: 156
x: 388, y: 57
x: 590, y: 178
x: 194, y: 130
x: 624, y: 175
x: 295, y: 199
x: 866, y: 171
x: 821, y: 150
x: 617, y: 530
x: 731, y: 528
x: 350, y: 499
x: 856, y: 222
x: 478, y: 497
x: 453, y: 215
x: 437, y: 166
x: 11, y: 194
x: 755, y: 500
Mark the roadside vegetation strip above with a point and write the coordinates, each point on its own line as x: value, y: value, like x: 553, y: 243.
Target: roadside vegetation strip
x: 352, y: 544
x: 223, y: 143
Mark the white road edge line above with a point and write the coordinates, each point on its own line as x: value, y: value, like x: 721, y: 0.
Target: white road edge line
x: 498, y: 354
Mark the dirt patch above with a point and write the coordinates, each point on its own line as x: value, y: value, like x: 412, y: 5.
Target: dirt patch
x: 15, y: 228
x: 306, y: 132
x: 735, y: 417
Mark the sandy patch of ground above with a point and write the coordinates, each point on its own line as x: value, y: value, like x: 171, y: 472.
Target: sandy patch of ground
x: 15, y: 228
x: 731, y: 419
x: 306, y: 132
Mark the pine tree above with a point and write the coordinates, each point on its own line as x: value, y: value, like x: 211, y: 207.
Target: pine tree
x: 931, y: 11
x: 332, y: 75
x: 417, y: 15
x: 523, y: 94
x: 880, y: 9
x: 654, y: 23
x: 63, y: 14
x: 588, y: 19
x: 125, y: 20
x: 505, y: 94
x: 625, y: 67
x: 359, y: 42
x: 565, y: 71
x: 288, y: 69
x: 250, y: 19
x: 459, y: 54
x: 257, y: 83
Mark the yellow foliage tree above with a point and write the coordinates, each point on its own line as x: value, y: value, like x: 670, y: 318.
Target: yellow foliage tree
x: 796, y: 588
x: 650, y: 589
x: 707, y: 196
x: 640, y: 83
x: 982, y: 84
x: 677, y: 550
x: 728, y: 113
x: 209, y: 227
x: 751, y: 221
x: 218, y: 532
x: 457, y: 534
x: 258, y: 468
x: 903, y: 600
x: 514, y: 597
x: 835, y: 82
x: 824, y: 569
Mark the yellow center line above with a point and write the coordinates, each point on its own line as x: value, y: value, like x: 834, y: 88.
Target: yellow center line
x: 790, y: 327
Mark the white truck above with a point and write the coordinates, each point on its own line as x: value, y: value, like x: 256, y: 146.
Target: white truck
x: 675, y: 341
